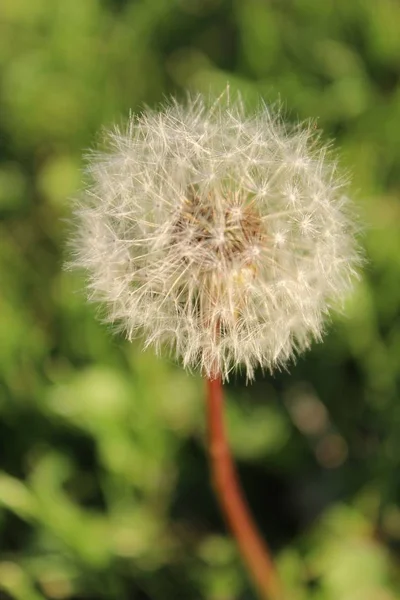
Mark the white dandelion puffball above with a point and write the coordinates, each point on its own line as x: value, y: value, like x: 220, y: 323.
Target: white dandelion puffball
x: 221, y: 235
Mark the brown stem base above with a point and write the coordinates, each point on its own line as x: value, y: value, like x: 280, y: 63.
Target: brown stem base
x: 234, y: 507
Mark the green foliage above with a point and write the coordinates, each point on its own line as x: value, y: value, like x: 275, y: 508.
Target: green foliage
x: 104, y: 490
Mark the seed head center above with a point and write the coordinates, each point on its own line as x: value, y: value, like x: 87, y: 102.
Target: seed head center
x: 220, y: 229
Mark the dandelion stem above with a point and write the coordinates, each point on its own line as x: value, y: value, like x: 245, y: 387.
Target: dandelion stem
x: 234, y: 507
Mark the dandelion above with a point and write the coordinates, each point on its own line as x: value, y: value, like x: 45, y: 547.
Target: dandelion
x: 223, y: 236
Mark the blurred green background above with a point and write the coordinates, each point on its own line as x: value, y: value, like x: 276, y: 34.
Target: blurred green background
x: 104, y: 489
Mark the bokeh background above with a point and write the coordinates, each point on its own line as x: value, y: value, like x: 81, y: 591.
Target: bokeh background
x: 104, y: 489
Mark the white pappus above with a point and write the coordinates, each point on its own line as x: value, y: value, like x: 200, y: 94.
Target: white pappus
x: 222, y: 235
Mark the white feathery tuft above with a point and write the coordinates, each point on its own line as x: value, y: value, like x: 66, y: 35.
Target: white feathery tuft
x: 222, y: 235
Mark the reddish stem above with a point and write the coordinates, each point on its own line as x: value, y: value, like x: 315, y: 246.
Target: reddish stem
x: 234, y: 507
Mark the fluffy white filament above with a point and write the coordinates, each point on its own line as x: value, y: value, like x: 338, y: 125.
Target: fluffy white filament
x: 221, y: 235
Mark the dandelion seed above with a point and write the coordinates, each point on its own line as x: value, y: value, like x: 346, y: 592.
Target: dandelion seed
x: 221, y: 235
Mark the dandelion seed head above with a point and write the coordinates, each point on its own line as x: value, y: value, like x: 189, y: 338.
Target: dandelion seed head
x: 223, y: 236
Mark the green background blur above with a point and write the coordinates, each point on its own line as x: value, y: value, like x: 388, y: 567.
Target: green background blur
x: 104, y: 490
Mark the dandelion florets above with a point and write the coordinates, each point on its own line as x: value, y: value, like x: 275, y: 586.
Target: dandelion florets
x: 221, y: 235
